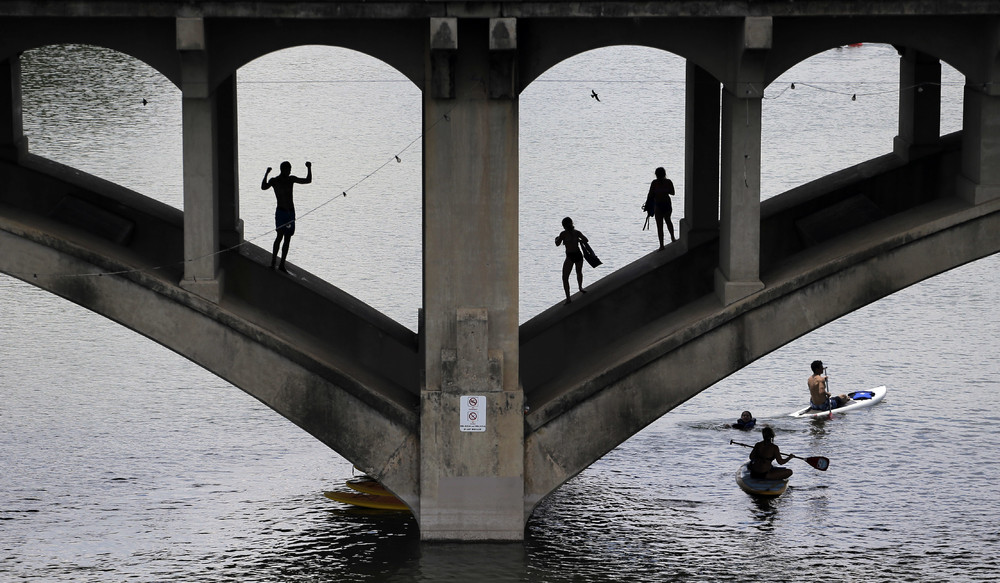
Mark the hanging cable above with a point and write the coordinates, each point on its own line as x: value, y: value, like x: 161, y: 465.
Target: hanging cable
x: 343, y: 194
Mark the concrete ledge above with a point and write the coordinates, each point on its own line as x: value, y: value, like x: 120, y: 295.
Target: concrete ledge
x: 210, y: 289
x: 730, y: 292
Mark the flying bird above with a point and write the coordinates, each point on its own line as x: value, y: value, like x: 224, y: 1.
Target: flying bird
x: 594, y: 95
x: 144, y: 102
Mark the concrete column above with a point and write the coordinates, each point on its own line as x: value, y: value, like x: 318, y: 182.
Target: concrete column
x: 13, y: 143
x: 919, y: 104
x: 227, y: 138
x: 980, y: 177
x: 701, y: 157
x: 738, y: 274
x: 201, y: 163
x: 471, y: 477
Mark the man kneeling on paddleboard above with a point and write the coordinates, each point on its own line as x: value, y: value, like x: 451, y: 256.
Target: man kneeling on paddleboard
x: 819, y: 397
x: 763, y: 453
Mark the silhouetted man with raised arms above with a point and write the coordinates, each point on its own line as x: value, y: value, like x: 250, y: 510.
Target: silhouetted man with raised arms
x: 284, y: 214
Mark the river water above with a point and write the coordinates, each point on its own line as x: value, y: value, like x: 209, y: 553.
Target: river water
x: 121, y: 461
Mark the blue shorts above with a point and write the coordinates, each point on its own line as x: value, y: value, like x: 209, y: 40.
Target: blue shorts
x: 832, y: 403
x: 284, y: 221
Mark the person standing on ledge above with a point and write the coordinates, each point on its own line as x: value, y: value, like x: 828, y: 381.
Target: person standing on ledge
x: 571, y: 238
x: 284, y: 214
x: 658, y: 199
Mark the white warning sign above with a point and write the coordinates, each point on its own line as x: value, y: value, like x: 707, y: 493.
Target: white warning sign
x: 472, y: 413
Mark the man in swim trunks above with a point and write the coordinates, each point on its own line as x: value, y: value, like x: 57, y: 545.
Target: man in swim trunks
x: 819, y: 397
x: 284, y: 214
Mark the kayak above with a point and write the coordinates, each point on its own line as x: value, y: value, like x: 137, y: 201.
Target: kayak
x: 367, y: 500
x: 759, y: 487
x: 859, y: 400
x: 368, y: 485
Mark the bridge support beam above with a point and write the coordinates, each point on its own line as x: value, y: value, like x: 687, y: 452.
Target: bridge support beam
x: 738, y: 274
x: 979, y: 180
x: 471, y: 469
x: 13, y: 143
x: 210, y: 161
x: 701, y: 155
x: 919, y: 104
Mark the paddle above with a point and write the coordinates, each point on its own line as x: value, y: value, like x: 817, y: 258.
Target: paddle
x: 819, y: 462
x: 829, y: 398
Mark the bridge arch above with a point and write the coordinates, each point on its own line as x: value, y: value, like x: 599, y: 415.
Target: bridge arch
x: 322, y: 102
x: 681, y: 37
x: 234, y: 43
x: 150, y: 41
x: 794, y: 42
x: 640, y: 117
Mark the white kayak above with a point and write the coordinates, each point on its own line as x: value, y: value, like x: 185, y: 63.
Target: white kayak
x: 759, y: 487
x: 859, y: 400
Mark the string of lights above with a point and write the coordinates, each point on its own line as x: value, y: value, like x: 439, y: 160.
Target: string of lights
x: 343, y: 194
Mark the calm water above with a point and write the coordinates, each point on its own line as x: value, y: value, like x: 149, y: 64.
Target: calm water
x: 120, y: 461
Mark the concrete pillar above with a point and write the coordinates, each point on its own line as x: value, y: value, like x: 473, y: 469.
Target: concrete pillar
x: 919, y: 104
x: 227, y: 138
x: 471, y: 466
x: 979, y: 180
x: 201, y: 163
x: 13, y: 143
x: 738, y: 274
x: 701, y: 157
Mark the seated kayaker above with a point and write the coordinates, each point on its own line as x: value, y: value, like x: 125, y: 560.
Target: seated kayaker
x: 745, y: 422
x: 763, y: 453
x: 819, y: 397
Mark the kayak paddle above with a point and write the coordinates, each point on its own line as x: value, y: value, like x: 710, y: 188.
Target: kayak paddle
x: 819, y: 462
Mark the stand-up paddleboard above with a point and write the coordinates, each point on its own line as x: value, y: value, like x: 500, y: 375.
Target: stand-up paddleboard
x: 759, y: 487
x: 859, y: 400
x: 368, y: 485
x: 367, y: 500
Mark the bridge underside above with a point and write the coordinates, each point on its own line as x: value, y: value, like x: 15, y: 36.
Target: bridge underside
x: 636, y: 365
x: 745, y: 279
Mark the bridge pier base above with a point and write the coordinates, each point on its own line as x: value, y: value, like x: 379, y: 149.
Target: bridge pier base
x: 471, y: 414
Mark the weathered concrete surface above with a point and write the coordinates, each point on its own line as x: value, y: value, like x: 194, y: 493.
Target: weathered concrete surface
x: 471, y: 482
x: 640, y: 363
x: 318, y: 356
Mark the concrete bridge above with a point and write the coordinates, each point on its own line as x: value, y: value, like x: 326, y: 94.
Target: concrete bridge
x: 746, y: 278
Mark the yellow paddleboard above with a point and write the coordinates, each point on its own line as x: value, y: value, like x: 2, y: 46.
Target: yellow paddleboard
x: 367, y: 500
x: 368, y: 485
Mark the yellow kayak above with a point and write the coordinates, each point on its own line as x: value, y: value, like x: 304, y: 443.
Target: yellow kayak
x: 367, y: 500
x: 368, y: 485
